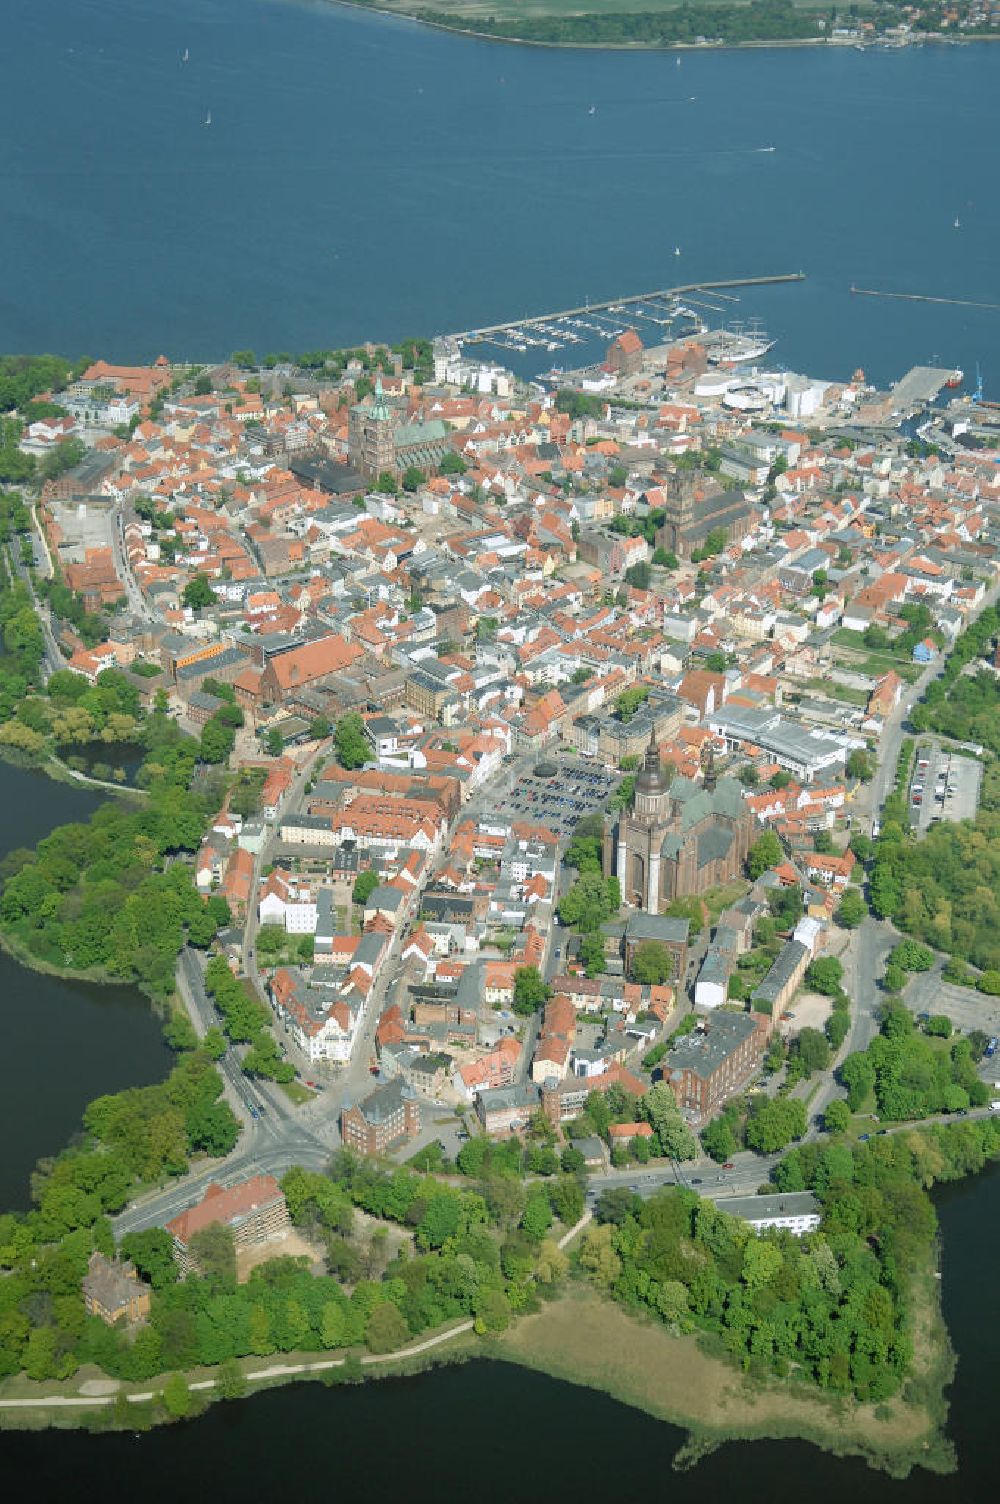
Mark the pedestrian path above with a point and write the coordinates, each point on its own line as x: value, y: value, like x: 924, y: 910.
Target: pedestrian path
x: 260, y: 1375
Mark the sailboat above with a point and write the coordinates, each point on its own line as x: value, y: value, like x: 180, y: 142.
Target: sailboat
x: 677, y: 61
x: 958, y: 223
x: 185, y: 55
x: 677, y: 250
x: 208, y: 118
x: 592, y: 110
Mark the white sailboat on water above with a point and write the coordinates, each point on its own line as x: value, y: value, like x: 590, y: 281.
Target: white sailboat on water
x: 208, y: 117
x: 185, y: 55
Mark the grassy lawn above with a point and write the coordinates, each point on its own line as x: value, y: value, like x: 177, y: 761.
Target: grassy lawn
x: 296, y: 1092
x: 831, y: 690
x: 589, y: 1340
x: 717, y: 899
x: 876, y: 662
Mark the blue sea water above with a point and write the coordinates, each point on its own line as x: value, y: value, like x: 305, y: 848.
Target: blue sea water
x: 363, y: 176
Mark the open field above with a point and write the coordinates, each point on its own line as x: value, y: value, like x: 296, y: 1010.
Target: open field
x: 589, y: 1340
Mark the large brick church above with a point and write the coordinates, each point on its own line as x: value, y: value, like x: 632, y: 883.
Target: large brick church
x: 680, y: 838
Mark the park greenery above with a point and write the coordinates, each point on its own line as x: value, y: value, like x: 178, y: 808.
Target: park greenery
x: 482, y: 1251
x: 130, y: 1140
x: 910, y: 1075
x: 944, y: 888
x: 107, y: 896
x: 835, y: 1305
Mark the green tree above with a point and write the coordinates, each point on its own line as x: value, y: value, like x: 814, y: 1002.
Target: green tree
x: 718, y: 1139
x: 213, y: 1250
x: 765, y: 853
x: 860, y: 764
x: 413, y: 478
x: 350, y: 743
x: 858, y: 1075
x: 911, y: 956
x: 592, y: 954
x: 364, y: 886
x: 386, y: 1329
x: 851, y: 910
x: 198, y: 593
x: 775, y: 1123
x: 825, y: 975
x: 630, y: 699
x: 537, y: 1218
x: 590, y: 902
x: 811, y: 1050
x: 674, y: 1137
x: 231, y: 1380
x: 152, y: 1253
x: 177, y: 1398
x: 530, y: 990
x: 652, y: 963
x: 837, y: 1117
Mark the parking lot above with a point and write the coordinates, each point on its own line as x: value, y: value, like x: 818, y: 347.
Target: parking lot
x: 943, y: 786
x: 968, y: 1009
x: 578, y: 787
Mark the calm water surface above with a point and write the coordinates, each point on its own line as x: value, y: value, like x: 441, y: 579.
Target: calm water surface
x: 365, y: 177
x: 64, y: 1043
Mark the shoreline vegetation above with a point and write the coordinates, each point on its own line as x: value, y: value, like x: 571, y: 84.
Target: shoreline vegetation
x: 53, y: 767
x: 684, y: 1379
x: 580, y: 1338
x: 530, y: 1304
x: 647, y: 27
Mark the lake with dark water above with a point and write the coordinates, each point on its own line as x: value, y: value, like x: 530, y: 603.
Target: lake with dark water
x: 64, y: 1042
x: 363, y: 177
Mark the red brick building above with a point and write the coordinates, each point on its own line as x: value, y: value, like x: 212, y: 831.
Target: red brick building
x: 389, y: 1113
x: 625, y: 354
x: 713, y: 1062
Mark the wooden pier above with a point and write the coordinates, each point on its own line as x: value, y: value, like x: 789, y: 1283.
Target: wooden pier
x: 471, y: 335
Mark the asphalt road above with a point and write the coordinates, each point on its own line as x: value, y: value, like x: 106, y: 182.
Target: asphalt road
x: 704, y: 1176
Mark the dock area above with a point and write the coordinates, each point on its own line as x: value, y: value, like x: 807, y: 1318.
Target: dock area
x: 617, y: 304
x: 920, y: 385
